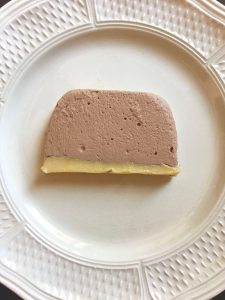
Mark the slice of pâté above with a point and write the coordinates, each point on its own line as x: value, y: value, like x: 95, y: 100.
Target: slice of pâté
x: 97, y: 131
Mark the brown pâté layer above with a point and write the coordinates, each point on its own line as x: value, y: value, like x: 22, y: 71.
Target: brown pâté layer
x: 100, y: 131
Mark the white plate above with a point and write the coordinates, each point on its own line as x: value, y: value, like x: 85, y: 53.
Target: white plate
x: 83, y: 236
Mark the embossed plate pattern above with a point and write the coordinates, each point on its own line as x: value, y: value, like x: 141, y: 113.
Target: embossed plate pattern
x: 88, y: 237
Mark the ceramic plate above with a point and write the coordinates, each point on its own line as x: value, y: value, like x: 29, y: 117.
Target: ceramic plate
x: 77, y: 236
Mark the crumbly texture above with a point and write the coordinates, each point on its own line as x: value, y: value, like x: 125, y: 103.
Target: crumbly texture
x: 113, y: 126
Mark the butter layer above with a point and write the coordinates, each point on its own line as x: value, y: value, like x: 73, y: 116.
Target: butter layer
x: 67, y: 164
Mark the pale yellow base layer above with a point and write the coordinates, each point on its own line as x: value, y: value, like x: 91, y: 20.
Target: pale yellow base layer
x: 66, y: 164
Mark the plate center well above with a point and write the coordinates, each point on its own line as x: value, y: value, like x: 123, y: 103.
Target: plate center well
x: 114, y: 217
